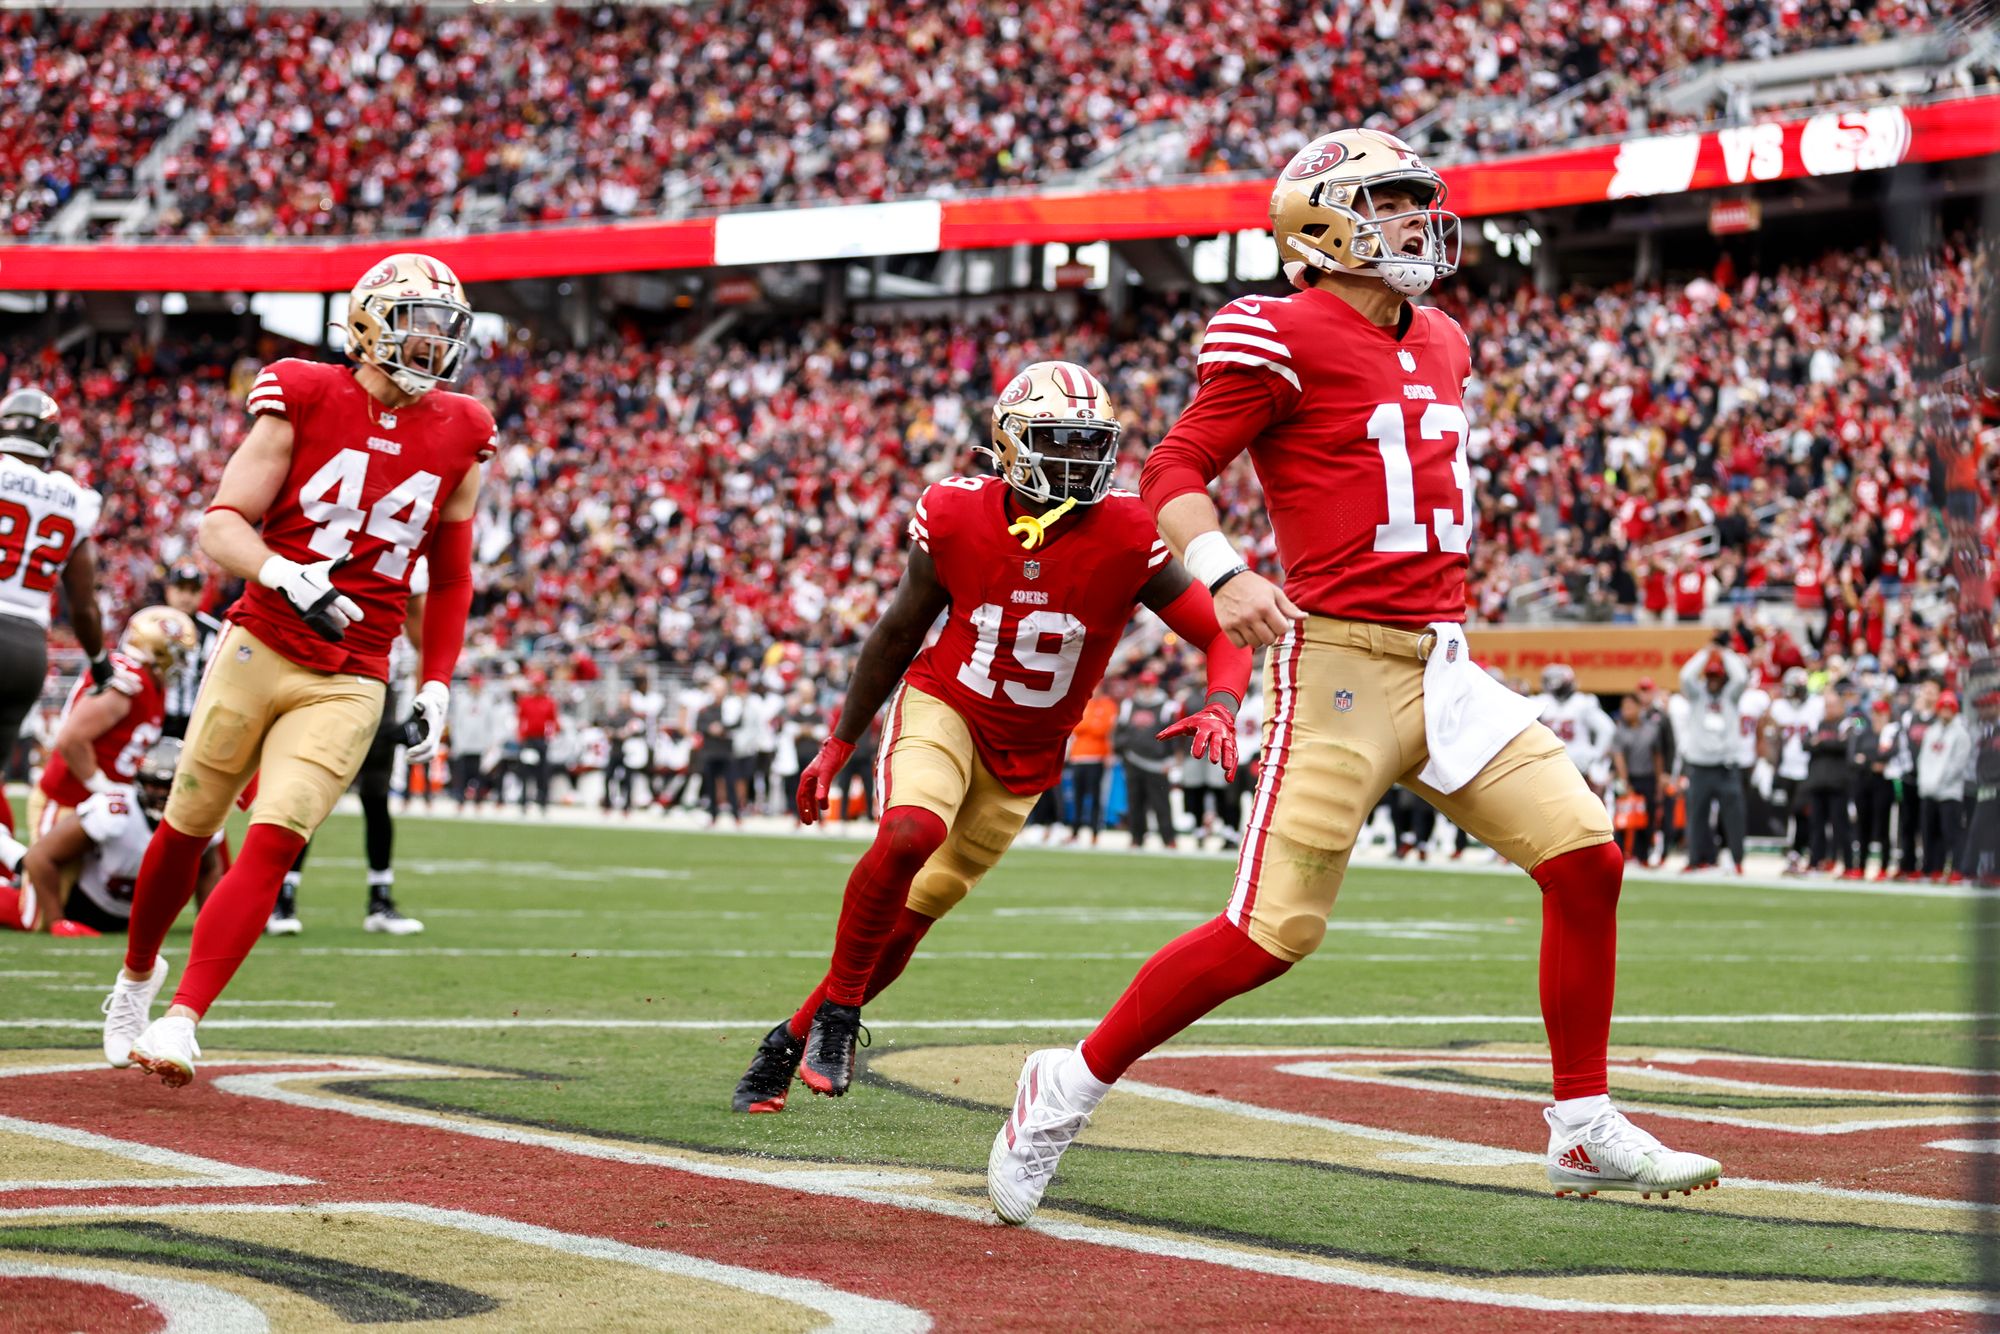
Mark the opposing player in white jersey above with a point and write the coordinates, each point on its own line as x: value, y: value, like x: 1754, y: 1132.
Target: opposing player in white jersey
x: 98, y: 846
x: 1578, y: 721
x: 1791, y: 720
x: 46, y: 518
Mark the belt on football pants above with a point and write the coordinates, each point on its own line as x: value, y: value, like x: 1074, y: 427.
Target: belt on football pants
x: 1378, y: 641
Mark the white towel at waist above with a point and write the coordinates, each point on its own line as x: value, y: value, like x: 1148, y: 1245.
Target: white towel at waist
x: 1468, y: 716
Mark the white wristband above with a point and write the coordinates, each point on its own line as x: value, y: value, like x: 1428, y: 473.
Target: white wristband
x: 276, y: 571
x: 1209, y: 557
x: 97, y: 782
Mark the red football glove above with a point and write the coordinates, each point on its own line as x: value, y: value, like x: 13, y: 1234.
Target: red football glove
x: 1214, y: 733
x: 818, y: 777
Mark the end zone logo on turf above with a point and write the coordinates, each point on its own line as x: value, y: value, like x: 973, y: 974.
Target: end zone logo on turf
x: 297, y: 1192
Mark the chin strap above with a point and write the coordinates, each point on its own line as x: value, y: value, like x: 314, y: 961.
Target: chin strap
x: 1033, y: 531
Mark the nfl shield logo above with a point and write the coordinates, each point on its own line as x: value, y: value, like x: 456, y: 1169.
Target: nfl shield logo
x: 1032, y: 569
x: 1451, y: 650
x: 1343, y: 700
x: 1409, y: 362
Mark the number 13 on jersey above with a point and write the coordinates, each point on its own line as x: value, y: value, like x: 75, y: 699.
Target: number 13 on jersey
x: 1388, y: 428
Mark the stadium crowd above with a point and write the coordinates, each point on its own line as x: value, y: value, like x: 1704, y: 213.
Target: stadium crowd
x: 729, y: 518
x: 308, y: 122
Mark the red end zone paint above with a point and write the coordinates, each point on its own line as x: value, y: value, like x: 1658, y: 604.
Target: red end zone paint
x: 966, y: 1274
x: 61, y: 1305
x: 1890, y: 1159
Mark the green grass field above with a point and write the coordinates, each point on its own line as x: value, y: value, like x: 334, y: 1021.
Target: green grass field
x: 723, y: 935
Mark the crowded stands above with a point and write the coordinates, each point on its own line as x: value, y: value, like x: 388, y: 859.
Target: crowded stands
x: 683, y: 505
x: 308, y: 122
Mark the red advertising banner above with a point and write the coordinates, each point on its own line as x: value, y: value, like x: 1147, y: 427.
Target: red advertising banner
x: 1828, y: 144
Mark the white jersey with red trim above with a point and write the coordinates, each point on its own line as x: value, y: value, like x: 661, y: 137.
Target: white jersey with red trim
x: 1795, y: 721
x: 44, y: 516
x: 1580, y: 723
x: 118, y: 835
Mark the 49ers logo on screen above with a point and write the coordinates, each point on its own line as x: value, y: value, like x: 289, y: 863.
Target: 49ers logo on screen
x: 1316, y: 158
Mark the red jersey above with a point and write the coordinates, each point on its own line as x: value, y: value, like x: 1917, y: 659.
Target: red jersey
x: 1358, y: 438
x: 366, y: 481
x: 121, y: 748
x: 1029, y: 633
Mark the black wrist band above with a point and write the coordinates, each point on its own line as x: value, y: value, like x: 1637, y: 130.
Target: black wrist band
x: 1216, y: 587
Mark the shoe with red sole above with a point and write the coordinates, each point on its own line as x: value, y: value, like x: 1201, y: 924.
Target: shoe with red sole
x: 766, y: 1083
x: 828, y: 1065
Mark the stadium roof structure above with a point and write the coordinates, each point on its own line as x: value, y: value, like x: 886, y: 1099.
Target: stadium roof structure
x: 1826, y: 143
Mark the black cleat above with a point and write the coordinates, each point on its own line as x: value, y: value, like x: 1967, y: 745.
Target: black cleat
x: 769, y: 1078
x: 829, y: 1059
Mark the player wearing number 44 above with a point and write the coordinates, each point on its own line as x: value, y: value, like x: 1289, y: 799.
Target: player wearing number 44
x: 1039, y: 569
x: 347, y: 477
x: 1350, y: 402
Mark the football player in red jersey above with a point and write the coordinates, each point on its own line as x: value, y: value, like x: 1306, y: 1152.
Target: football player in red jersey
x: 1350, y: 401
x: 348, y: 476
x: 102, y: 735
x: 1039, y: 569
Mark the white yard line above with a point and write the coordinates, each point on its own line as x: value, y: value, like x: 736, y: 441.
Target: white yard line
x: 389, y: 1024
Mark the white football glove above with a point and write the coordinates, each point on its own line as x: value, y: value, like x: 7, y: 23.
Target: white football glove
x: 310, y: 590
x: 1763, y: 778
x: 424, y: 728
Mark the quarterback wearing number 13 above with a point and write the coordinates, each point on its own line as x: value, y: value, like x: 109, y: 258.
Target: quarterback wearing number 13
x: 1351, y: 403
x: 348, y: 478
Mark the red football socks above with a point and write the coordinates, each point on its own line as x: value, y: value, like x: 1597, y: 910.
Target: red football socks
x: 166, y: 882
x: 876, y: 892
x: 234, y: 916
x: 1579, y: 963
x: 896, y: 951
x: 1184, y: 981
x: 13, y: 902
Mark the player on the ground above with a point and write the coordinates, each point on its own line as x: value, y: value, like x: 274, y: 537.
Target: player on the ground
x: 102, y: 735
x: 347, y: 478
x: 46, y: 519
x: 86, y: 862
x: 1350, y: 400
x: 1578, y: 721
x: 1039, y: 569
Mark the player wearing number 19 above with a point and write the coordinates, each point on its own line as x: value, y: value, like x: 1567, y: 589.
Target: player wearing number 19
x: 1039, y: 569
x: 348, y: 476
x: 1350, y: 401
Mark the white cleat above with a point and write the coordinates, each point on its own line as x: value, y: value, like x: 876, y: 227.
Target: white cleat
x: 167, y: 1048
x: 127, y: 1011
x: 283, y: 923
x: 1610, y: 1153
x: 392, y: 922
x: 1031, y: 1143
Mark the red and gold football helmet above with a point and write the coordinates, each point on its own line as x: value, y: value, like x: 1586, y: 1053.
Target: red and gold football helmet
x: 1323, y: 213
x: 1055, y: 434
x: 163, y: 639
x: 409, y: 318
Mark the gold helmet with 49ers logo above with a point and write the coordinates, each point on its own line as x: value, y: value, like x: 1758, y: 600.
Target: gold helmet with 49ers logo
x: 1324, y: 215
x: 163, y: 639
x: 1055, y: 434
x: 409, y: 318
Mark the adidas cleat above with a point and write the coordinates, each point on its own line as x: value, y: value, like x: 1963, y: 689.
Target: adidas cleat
x: 1040, y: 1127
x: 127, y: 1012
x: 828, y: 1065
x: 766, y: 1083
x: 167, y: 1048
x: 1610, y: 1153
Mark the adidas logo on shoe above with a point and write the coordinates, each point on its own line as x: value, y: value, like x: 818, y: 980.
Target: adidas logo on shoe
x: 1576, y: 1160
